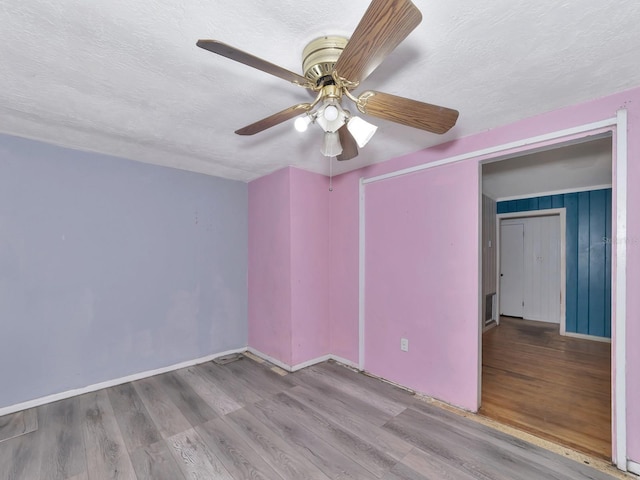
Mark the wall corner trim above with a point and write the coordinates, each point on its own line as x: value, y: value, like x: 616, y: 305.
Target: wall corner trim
x: 620, y: 324
x: 361, y: 273
x: 112, y: 383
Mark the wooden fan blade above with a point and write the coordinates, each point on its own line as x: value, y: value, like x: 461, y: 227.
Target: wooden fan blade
x: 412, y: 113
x: 274, y: 119
x: 349, y: 144
x: 384, y: 25
x: 252, y: 61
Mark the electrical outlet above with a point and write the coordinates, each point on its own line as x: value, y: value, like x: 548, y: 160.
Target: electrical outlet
x: 404, y: 344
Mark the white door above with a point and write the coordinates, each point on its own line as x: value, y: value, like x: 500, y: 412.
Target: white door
x: 542, y: 268
x: 512, y: 270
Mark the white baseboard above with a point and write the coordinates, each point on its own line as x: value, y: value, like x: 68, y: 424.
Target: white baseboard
x: 270, y: 359
x: 346, y: 362
x: 633, y: 467
x: 112, y: 383
x: 587, y: 337
x: 311, y: 362
x: 300, y: 366
x: 488, y: 327
x: 139, y: 376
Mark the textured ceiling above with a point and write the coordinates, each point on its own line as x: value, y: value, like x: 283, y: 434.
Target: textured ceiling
x: 575, y: 167
x: 125, y: 78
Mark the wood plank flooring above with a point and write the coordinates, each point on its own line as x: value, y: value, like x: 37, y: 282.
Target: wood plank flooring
x: 555, y: 387
x: 14, y: 425
x: 243, y: 421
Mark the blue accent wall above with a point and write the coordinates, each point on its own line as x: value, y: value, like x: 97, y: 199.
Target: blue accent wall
x: 110, y: 267
x: 588, y: 287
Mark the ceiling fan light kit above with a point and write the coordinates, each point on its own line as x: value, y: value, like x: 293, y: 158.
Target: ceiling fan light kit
x: 333, y: 66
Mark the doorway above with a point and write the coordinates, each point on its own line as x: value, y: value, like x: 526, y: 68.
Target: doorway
x: 532, y: 373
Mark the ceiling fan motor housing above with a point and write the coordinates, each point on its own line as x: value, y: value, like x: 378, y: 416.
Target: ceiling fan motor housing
x: 319, y: 58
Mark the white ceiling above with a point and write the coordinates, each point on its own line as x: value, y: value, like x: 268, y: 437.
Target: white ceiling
x: 575, y: 167
x: 124, y: 77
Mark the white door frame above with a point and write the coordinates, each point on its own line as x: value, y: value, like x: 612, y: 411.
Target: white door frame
x: 514, y: 280
x: 551, y: 212
x: 616, y: 126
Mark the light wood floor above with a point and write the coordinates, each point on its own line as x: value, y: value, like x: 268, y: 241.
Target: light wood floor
x: 555, y: 387
x: 243, y: 421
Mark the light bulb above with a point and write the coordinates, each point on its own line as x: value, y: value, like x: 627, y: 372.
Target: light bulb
x: 302, y: 123
x: 331, y: 117
x: 331, y: 113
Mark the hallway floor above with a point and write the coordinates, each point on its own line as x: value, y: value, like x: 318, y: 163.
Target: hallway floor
x: 555, y: 387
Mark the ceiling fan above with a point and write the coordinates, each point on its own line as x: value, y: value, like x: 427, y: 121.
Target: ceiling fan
x: 333, y: 67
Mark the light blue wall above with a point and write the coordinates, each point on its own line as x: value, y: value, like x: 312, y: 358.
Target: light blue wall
x: 110, y: 267
x: 588, y: 255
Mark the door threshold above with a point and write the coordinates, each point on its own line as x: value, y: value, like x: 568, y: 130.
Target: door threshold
x: 580, y: 457
x: 575, y: 455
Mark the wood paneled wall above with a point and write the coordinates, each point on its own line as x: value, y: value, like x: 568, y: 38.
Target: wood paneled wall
x: 588, y: 255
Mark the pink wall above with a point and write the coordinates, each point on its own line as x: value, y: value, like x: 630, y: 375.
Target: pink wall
x: 288, y: 266
x: 456, y: 300
x: 422, y: 263
x: 422, y: 281
x: 344, y: 268
x: 632, y: 102
x: 309, y: 265
x: 270, y: 265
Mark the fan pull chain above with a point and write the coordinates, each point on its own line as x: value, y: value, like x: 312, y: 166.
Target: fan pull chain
x: 331, y: 174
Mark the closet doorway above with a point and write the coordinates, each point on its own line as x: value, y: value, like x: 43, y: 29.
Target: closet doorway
x: 531, y: 260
